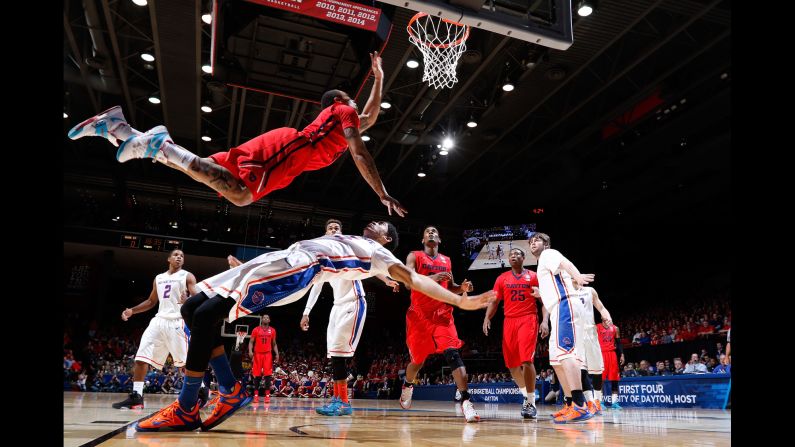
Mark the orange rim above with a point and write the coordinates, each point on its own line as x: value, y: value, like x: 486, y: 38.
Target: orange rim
x: 454, y: 43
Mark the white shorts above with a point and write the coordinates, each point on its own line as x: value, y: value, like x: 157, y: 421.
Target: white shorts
x: 593, y: 352
x: 345, y: 327
x: 271, y: 279
x: 566, y: 332
x: 162, y: 337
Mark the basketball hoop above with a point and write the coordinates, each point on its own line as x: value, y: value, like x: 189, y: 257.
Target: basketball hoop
x: 241, y: 335
x: 441, y: 42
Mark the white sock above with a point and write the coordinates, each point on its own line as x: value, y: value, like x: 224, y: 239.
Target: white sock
x: 530, y: 396
x: 598, y: 395
x: 524, y: 392
x: 588, y: 395
x: 138, y: 387
x: 178, y: 155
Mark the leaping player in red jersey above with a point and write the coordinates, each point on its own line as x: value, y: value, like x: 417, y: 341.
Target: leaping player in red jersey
x: 271, y: 161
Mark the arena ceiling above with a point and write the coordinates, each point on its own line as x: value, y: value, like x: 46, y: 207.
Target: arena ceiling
x: 631, y: 122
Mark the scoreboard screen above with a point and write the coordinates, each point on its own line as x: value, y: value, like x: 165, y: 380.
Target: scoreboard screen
x: 149, y: 243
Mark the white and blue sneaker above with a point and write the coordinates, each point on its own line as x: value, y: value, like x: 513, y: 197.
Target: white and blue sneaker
x: 101, y: 125
x: 529, y: 410
x: 325, y: 408
x: 336, y: 408
x: 145, y: 145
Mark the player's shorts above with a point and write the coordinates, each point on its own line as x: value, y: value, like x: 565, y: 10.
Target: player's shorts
x: 263, y: 364
x: 566, y: 332
x: 271, y: 279
x: 426, y: 336
x: 519, y: 335
x: 345, y: 326
x: 593, y: 352
x: 161, y: 337
x: 268, y: 162
x: 611, y: 366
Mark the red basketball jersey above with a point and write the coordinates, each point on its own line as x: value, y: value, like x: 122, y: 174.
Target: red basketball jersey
x: 516, y: 291
x: 263, y: 339
x: 426, y: 265
x: 607, y: 337
x: 326, y: 134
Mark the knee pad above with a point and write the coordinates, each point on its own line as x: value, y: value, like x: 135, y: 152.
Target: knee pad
x: 453, y: 358
x: 339, y: 372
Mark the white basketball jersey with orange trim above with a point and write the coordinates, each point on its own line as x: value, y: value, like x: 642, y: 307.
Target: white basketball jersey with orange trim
x: 349, y: 257
x: 169, y: 289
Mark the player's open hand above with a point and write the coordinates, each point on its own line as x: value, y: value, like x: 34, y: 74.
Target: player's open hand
x: 304, y: 323
x: 442, y: 276
x: 544, y: 329
x: 476, y: 302
x: 486, y: 326
x: 393, y: 284
x: 375, y: 63
x: 233, y: 261
x: 585, y: 278
x: 391, y: 203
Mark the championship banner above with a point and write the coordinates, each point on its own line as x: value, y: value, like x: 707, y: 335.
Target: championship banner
x: 685, y: 391
x: 498, y: 392
x: 337, y: 11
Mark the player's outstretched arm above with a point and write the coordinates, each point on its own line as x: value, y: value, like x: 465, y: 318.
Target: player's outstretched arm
x: 144, y: 305
x: 366, y: 166
x: 429, y: 287
x: 597, y: 303
x: 373, y: 106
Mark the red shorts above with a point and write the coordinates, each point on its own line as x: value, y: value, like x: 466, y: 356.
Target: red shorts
x: 426, y: 336
x: 519, y: 335
x: 268, y: 162
x: 611, y: 366
x: 263, y: 364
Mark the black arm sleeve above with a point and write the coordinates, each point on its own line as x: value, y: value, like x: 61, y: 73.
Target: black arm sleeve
x: 619, y: 348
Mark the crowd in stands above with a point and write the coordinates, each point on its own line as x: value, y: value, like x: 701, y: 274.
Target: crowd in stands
x: 104, y: 363
x: 686, y: 322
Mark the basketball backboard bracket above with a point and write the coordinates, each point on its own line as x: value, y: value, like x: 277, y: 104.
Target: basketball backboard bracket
x: 558, y: 34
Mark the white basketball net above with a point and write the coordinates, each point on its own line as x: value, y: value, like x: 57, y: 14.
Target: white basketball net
x: 241, y: 336
x: 441, y: 42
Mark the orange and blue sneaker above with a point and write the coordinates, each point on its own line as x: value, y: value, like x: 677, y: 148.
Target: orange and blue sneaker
x: 575, y: 413
x: 598, y: 405
x: 172, y: 418
x: 226, y: 405
x: 562, y: 411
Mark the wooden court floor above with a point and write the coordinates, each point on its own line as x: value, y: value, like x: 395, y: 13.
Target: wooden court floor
x: 89, y: 420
